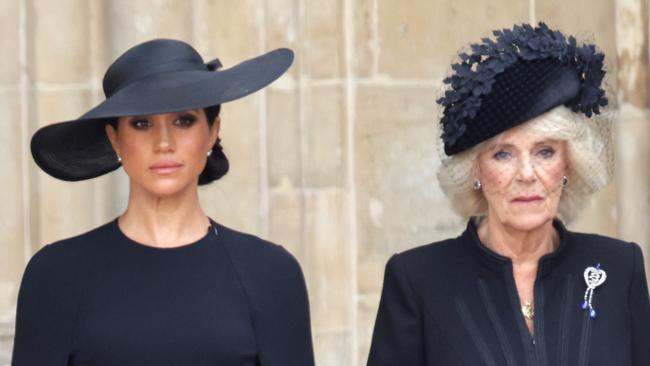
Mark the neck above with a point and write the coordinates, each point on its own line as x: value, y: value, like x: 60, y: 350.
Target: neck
x: 521, y: 246
x: 164, y: 221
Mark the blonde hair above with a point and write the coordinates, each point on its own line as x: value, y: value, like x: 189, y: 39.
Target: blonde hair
x: 591, y: 163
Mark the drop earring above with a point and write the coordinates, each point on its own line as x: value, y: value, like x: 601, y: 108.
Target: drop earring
x: 565, y: 180
x: 477, y: 184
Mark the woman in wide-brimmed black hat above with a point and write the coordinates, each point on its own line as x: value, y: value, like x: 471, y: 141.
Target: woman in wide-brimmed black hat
x: 162, y: 284
x: 524, y: 150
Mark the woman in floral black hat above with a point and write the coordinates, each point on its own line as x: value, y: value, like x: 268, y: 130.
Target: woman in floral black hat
x: 524, y: 149
x: 162, y: 284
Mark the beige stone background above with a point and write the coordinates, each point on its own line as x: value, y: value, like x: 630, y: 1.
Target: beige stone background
x: 336, y: 160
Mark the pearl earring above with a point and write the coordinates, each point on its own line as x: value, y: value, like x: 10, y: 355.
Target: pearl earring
x: 119, y: 158
x: 565, y: 180
x: 209, y: 152
x: 477, y: 184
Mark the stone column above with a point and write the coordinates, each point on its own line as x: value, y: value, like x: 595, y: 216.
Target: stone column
x: 323, y: 125
x: 632, y: 124
x: 14, y: 152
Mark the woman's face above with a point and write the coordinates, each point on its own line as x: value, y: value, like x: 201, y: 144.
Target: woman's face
x: 164, y: 153
x: 521, y: 174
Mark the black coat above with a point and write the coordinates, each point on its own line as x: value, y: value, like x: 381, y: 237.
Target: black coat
x: 455, y: 303
x: 103, y: 299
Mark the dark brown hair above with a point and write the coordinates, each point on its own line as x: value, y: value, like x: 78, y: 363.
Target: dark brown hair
x: 217, y: 165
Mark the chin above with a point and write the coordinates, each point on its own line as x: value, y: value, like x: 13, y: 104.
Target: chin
x: 166, y: 187
x: 529, y: 221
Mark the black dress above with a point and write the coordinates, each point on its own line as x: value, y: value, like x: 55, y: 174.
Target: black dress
x: 103, y: 299
x: 455, y: 303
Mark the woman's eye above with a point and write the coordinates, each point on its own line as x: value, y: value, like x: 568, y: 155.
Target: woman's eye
x: 185, y: 121
x: 546, y: 152
x: 501, y: 155
x: 140, y: 124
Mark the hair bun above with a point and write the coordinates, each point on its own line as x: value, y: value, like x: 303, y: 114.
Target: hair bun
x: 216, y: 167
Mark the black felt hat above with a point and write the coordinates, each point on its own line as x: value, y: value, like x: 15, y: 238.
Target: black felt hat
x: 157, y: 76
x: 522, y: 73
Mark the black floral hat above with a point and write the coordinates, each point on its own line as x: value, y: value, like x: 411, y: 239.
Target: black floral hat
x: 522, y: 73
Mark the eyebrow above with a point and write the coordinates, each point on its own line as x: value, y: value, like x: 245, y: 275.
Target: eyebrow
x: 502, y: 145
x: 499, y: 145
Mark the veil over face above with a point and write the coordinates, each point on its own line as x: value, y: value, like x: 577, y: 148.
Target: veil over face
x: 522, y: 175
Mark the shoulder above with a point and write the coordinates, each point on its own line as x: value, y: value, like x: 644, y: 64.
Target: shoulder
x: 598, y: 246
x: 600, y: 242
x: 64, y: 256
x: 432, y: 265
x: 58, y: 271
x: 256, y: 255
x: 270, y: 275
x: 439, y: 254
x: 437, y: 249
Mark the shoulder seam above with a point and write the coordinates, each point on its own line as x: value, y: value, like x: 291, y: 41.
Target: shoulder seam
x: 251, y: 311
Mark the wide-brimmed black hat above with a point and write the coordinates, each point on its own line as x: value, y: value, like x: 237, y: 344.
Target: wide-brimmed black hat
x: 157, y: 76
x: 522, y: 73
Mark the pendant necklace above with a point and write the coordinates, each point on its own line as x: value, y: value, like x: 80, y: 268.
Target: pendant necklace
x: 528, y: 310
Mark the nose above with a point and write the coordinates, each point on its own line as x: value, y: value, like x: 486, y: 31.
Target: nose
x: 163, y: 139
x: 526, y: 170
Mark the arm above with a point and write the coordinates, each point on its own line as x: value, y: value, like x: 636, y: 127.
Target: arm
x: 44, y: 316
x: 397, y: 338
x: 640, y: 310
x: 276, y: 291
x: 282, y: 323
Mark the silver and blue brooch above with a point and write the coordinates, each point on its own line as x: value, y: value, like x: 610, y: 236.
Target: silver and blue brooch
x: 594, y: 277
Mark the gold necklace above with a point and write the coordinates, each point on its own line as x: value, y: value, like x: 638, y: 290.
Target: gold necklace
x: 528, y: 310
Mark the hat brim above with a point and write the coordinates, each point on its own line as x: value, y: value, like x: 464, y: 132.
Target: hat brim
x: 79, y: 149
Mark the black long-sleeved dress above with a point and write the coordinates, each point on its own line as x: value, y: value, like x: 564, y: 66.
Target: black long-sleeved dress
x: 455, y: 303
x: 103, y: 299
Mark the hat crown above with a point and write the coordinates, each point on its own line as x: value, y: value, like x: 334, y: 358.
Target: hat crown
x: 149, y: 58
x: 520, y: 74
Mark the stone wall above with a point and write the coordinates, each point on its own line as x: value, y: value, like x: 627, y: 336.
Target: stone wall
x: 336, y: 160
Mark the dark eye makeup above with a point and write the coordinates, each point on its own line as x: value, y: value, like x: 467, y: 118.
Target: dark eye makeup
x: 185, y: 120
x: 182, y: 120
x: 140, y: 123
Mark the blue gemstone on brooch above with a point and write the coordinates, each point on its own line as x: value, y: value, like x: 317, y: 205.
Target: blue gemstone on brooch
x: 584, y: 305
x: 592, y: 314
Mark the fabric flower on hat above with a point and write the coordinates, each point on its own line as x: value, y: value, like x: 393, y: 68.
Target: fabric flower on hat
x: 474, y: 76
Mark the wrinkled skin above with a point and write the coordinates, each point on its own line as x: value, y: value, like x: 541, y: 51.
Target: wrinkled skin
x: 521, y: 174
